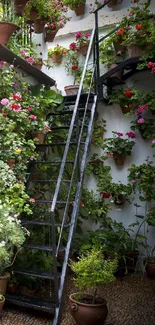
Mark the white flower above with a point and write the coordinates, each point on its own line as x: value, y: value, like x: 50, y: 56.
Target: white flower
x: 2, y: 243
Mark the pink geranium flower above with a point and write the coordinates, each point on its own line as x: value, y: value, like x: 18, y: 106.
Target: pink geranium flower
x: 131, y: 135
x: 16, y: 107
x: 17, y: 96
x: 33, y: 117
x: 153, y: 141
x: 78, y: 35
x: 4, y: 101
x: 141, y: 109
x: 141, y: 120
x: 120, y: 134
x: 29, y: 59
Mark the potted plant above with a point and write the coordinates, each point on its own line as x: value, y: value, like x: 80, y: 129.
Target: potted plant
x: 119, y: 147
x: 2, y: 302
x: 112, y: 3
x: 19, y: 6
x: 121, y: 193
x: 150, y: 263
x: 90, y: 271
x: 145, y: 126
x: 82, y: 42
x: 38, y: 12
x: 7, y: 27
x: 127, y: 98
x: 77, y: 6
x: 57, y: 53
x: 30, y: 55
x: 142, y: 178
x: 57, y: 21
x: 72, y: 67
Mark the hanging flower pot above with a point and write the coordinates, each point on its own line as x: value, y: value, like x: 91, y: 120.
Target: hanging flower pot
x: 3, y: 283
x: 50, y: 34
x: 39, y: 25
x: 127, y: 108
x: 119, y: 48
x: 112, y: 3
x: 80, y: 10
x: 119, y: 199
x: 83, y: 49
x: 119, y: 160
x: 40, y: 135
x: 71, y: 90
x: 6, y: 31
x: 19, y: 6
x: 57, y: 58
x: 134, y: 51
x: 32, y: 16
x: 11, y: 162
x: 38, y: 65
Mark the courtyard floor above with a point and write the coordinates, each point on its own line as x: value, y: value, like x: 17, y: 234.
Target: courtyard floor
x: 130, y: 302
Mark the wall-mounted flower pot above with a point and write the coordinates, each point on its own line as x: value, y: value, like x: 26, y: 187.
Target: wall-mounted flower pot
x: 38, y: 65
x: 127, y: 108
x: 119, y: 199
x: 3, y: 283
x: 90, y: 314
x: 19, y: 6
x: 83, y: 49
x: 39, y: 25
x: 80, y: 10
x: 119, y: 160
x: 119, y: 48
x: 57, y: 58
x: 6, y: 31
x: 134, y: 51
x: 71, y: 90
x: 32, y: 16
x: 112, y: 3
x: 40, y: 135
x: 150, y: 268
x: 50, y: 35
x: 11, y: 162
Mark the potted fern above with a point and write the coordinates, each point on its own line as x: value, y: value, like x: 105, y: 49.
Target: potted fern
x: 91, y: 271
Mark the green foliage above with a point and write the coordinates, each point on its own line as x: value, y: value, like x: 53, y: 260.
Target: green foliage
x: 73, y: 4
x: 93, y: 270
x: 43, y: 8
x: 147, y: 128
x: 119, y: 145
x: 98, y: 133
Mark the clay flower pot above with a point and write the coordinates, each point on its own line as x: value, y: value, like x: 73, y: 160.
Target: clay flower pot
x: 112, y: 3
x: 127, y: 108
x: 134, y: 51
x: 57, y: 58
x: 40, y: 135
x: 80, y: 10
x: 3, y: 283
x: 19, y: 6
x: 83, y: 49
x: 71, y: 90
x: 6, y: 31
x: 2, y: 302
x: 39, y: 25
x: 119, y: 199
x: 38, y: 65
x: 131, y: 260
x: 32, y: 16
x: 27, y: 292
x: 12, y: 288
x: 150, y: 268
x: 119, y: 48
x: 119, y: 160
x: 50, y: 35
x: 84, y: 312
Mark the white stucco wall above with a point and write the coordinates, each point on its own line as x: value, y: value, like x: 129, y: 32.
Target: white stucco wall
x: 116, y: 121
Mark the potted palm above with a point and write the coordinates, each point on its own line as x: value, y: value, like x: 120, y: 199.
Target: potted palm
x: 91, y: 271
x: 119, y: 147
x: 77, y: 6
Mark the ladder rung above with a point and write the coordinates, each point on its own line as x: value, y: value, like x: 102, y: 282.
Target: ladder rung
x: 58, y: 144
x: 52, y: 162
x: 50, y: 201
x: 35, y: 273
x: 42, y: 223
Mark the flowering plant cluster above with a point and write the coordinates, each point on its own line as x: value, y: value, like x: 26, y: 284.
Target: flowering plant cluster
x: 73, y: 4
x: 58, y: 49
x: 30, y: 55
x: 117, y: 144
x: 57, y: 19
x: 128, y: 97
x: 82, y: 39
x: 144, y: 124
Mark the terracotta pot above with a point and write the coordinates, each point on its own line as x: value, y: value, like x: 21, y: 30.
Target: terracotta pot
x: 49, y: 36
x: 119, y: 160
x: 11, y: 162
x: 119, y: 199
x: 126, y: 109
x: 57, y: 58
x: 150, y: 268
x: 119, y: 48
x: 85, y: 313
x: 71, y: 90
x: 12, y: 289
x: 39, y: 25
x: 3, y: 283
x: 6, y: 31
x: 2, y: 302
x: 117, y: 74
x: 32, y: 16
x: 83, y: 49
x: 19, y: 6
x: 27, y: 292
x: 38, y: 65
x: 112, y: 3
x: 40, y: 135
x: 131, y: 259
x: 80, y: 10
x: 134, y: 51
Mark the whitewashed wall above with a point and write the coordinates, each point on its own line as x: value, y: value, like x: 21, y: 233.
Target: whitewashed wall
x: 116, y: 121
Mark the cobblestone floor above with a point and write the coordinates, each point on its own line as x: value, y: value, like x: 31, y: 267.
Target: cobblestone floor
x: 130, y: 302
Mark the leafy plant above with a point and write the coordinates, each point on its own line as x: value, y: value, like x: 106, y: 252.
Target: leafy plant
x: 145, y: 126
x: 119, y: 145
x: 73, y: 4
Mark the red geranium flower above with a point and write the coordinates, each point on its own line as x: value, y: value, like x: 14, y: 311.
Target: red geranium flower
x: 140, y: 26
x: 74, y: 67
x: 105, y: 195
x: 128, y: 93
